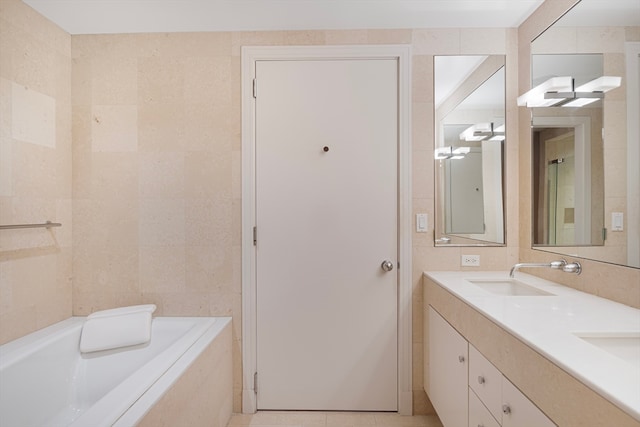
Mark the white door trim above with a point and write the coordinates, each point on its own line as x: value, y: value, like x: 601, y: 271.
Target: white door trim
x: 252, y: 54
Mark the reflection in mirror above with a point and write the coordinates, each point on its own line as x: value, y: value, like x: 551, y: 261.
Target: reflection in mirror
x: 568, y: 181
x: 585, y: 157
x: 470, y: 133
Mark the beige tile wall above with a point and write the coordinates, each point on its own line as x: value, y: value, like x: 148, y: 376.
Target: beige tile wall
x: 607, y: 280
x: 156, y: 154
x: 35, y: 170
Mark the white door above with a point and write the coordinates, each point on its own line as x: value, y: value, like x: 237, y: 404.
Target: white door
x: 326, y: 216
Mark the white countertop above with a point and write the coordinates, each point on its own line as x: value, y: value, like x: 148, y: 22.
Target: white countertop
x: 549, y: 323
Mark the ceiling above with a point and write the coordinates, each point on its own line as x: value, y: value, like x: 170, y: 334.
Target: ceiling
x: 594, y: 13
x: 135, y: 16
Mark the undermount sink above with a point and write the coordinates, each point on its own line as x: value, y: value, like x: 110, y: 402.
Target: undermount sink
x: 625, y: 346
x: 509, y: 287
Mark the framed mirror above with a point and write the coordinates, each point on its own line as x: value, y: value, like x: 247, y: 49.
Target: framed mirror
x: 469, y: 150
x: 585, y: 132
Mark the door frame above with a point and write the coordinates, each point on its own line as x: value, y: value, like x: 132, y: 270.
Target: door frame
x: 251, y: 54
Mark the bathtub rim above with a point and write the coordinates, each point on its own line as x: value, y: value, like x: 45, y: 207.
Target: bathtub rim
x: 13, y: 351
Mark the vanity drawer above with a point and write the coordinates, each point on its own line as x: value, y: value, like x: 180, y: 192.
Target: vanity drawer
x: 479, y: 416
x: 486, y: 381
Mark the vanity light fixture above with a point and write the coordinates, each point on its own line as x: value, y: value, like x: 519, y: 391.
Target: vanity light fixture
x: 444, y: 153
x: 536, y: 97
x: 560, y: 92
x: 482, y: 132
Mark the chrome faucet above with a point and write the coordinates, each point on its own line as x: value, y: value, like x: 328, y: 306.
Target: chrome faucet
x: 572, y: 267
x: 553, y: 264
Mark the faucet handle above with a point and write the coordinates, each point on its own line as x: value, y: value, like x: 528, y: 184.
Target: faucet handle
x: 572, y: 267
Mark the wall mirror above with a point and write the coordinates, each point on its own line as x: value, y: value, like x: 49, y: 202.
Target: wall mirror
x: 469, y: 150
x: 585, y: 155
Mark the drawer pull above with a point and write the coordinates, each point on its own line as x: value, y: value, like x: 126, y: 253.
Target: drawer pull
x: 480, y: 379
x: 461, y: 359
x: 506, y: 409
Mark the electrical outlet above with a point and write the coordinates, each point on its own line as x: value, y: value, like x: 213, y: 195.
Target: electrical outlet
x: 470, y: 261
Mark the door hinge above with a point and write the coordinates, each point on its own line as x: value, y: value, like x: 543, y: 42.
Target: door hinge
x: 255, y: 383
x: 255, y: 236
x: 604, y: 234
x: 255, y: 88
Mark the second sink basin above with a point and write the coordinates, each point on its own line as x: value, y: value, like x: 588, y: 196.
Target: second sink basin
x: 625, y: 346
x: 508, y: 287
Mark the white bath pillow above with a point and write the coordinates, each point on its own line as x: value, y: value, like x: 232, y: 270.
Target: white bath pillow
x: 115, y: 328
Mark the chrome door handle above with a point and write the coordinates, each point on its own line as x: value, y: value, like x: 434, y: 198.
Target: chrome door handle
x: 387, y: 265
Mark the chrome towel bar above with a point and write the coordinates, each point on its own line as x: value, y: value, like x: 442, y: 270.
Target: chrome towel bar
x: 46, y: 225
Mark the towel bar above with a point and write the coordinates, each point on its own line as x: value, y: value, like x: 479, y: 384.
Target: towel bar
x: 46, y: 225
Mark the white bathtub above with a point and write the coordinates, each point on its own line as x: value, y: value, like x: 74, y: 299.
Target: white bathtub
x: 45, y: 381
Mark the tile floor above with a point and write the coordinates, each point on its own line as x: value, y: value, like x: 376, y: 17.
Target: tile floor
x: 331, y: 419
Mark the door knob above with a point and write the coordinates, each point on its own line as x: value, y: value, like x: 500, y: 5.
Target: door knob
x: 387, y: 265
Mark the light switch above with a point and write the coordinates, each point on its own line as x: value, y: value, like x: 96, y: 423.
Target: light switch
x: 422, y: 223
x: 617, y: 220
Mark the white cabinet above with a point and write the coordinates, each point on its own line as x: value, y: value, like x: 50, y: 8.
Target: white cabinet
x: 468, y: 390
x: 448, y: 373
x: 486, y: 381
x: 518, y: 411
x: 479, y: 415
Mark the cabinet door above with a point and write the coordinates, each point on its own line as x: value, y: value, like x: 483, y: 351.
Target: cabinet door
x: 486, y: 381
x: 479, y: 415
x: 448, y: 372
x: 518, y: 411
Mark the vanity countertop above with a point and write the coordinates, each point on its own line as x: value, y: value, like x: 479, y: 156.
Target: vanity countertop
x: 552, y: 325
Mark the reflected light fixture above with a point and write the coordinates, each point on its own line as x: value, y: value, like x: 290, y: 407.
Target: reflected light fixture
x: 445, y: 153
x: 560, y: 92
x: 498, y: 134
x: 482, y: 132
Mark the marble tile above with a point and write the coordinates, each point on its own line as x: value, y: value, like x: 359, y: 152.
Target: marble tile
x: 114, y: 80
x: 303, y: 38
x: 162, y: 269
x: 389, y: 36
x: 436, y: 41
x: 335, y: 419
x: 114, y: 128
x: 162, y: 222
x: 338, y: 37
x: 161, y: 175
x: 485, y: 41
x: 207, y: 80
x: 33, y: 116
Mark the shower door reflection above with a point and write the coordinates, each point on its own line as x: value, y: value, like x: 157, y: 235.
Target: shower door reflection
x: 561, y: 201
